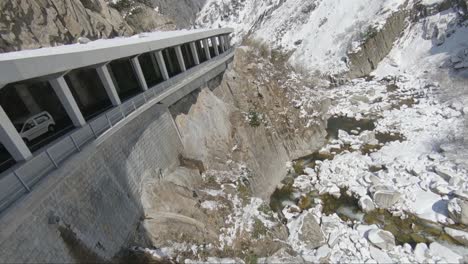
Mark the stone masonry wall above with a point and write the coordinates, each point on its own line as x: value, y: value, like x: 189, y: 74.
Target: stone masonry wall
x: 89, y: 209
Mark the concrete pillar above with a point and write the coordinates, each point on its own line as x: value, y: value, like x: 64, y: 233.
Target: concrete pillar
x: 139, y: 73
x: 27, y: 98
x: 162, y: 64
x: 193, y: 48
x: 221, y: 43
x: 11, y: 139
x: 65, y: 96
x: 215, y: 45
x: 227, y: 42
x: 207, y: 49
x: 180, y: 58
x: 106, y: 79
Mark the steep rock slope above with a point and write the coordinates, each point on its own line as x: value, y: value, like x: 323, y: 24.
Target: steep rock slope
x: 250, y: 118
x: 37, y: 23
x: 26, y: 24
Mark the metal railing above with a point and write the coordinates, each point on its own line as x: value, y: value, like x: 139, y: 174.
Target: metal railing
x: 21, y: 179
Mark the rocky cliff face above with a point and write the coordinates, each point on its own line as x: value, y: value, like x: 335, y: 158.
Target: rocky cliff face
x: 249, y: 118
x: 27, y: 24
x: 376, y: 45
x: 38, y: 23
x: 182, y: 12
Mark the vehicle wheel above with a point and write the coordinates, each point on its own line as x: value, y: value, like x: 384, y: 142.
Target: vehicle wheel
x: 51, y: 128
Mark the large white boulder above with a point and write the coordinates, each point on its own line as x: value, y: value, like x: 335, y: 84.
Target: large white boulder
x: 459, y: 235
x: 366, y: 204
x: 420, y: 252
x: 385, y: 196
x: 448, y: 255
x: 379, y: 256
x: 381, y: 239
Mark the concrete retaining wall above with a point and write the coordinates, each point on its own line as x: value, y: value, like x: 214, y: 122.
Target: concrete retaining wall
x: 89, y: 209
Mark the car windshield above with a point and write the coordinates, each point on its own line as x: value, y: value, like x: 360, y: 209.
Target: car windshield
x: 19, y: 126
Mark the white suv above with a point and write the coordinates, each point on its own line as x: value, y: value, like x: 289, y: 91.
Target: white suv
x: 35, y: 126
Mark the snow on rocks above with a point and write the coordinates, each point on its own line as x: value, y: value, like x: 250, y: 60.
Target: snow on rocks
x: 443, y: 252
x: 459, y: 235
x: 381, y: 239
x: 420, y: 252
x: 380, y: 256
x: 385, y: 196
x: 366, y: 204
x: 305, y: 232
x: 458, y: 210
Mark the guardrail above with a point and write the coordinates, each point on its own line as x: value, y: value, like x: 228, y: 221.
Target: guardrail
x: 20, y: 180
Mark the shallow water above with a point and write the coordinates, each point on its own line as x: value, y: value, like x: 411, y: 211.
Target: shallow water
x: 347, y: 124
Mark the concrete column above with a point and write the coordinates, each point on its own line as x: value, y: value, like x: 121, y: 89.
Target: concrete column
x: 139, y: 73
x: 227, y: 42
x: 27, y: 99
x: 221, y: 43
x: 65, y: 96
x: 106, y: 79
x: 207, y: 49
x: 180, y: 58
x: 162, y: 64
x: 215, y: 45
x: 11, y: 139
x: 193, y: 48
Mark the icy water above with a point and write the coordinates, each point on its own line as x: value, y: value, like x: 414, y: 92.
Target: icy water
x: 411, y: 230
x: 347, y: 124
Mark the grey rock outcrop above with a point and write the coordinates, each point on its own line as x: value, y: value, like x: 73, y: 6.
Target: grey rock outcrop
x: 182, y: 12
x: 377, y: 45
x: 215, y: 127
x: 311, y: 233
x: 458, y: 210
x: 27, y: 24
x: 145, y: 18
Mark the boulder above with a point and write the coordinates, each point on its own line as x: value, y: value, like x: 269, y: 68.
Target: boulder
x: 445, y: 173
x: 381, y: 239
x: 448, y: 255
x: 366, y: 204
x: 386, y: 198
x: 460, y: 236
x: 458, y: 210
x: 311, y: 233
x: 420, y: 252
x: 364, y: 229
x: 379, y: 256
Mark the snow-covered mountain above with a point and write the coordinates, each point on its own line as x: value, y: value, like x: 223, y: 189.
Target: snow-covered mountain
x: 321, y: 34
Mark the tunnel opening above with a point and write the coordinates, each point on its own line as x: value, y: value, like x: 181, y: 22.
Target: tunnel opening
x: 36, y: 112
x: 212, y: 47
x: 188, y: 56
x: 172, y: 64
x: 88, y: 91
x: 200, y: 51
x: 151, y: 70
x: 124, y: 78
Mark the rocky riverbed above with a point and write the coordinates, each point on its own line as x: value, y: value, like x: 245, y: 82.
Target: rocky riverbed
x: 380, y: 190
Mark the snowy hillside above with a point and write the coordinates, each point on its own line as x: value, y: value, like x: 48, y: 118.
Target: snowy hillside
x: 319, y: 32
x: 400, y: 145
